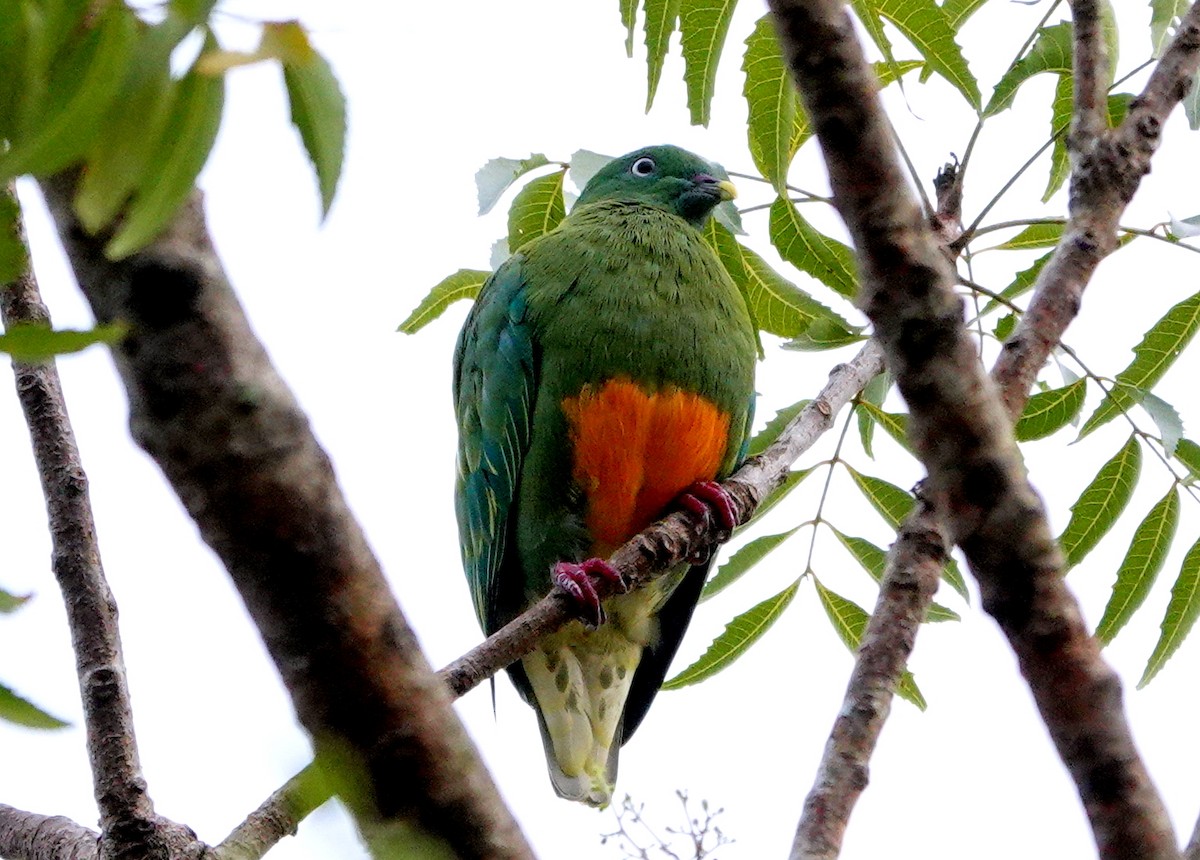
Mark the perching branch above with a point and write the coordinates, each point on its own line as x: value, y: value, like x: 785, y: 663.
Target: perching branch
x: 1091, y: 62
x: 128, y: 823
x: 208, y: 406
x: 29, y: 836
x: 669, y: 541
x: 963, y: 435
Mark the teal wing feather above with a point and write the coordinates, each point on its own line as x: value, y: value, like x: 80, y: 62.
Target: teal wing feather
x: 495, y: 384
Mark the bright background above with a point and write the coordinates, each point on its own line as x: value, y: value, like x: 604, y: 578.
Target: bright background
x: 434, y: 91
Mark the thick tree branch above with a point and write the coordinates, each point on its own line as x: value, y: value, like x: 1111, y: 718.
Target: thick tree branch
x: 962, y: 434
x: 208, y: 406
x: 672, y: 539
x: 29, y: 836
x: 1089, y: 118
x: 127, y: 818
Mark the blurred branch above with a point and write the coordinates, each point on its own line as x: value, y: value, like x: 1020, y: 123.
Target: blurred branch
x: 277, y: 817
x: 1091, y: 62
x: 207, y: 405
x: 963, y: 435
x: 669, y: 541
x: 29, y: 836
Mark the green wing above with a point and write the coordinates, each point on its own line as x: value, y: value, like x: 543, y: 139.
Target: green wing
x: 495, y: 379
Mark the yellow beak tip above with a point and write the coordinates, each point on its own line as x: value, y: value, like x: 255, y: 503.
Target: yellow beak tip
x: 728, y: 190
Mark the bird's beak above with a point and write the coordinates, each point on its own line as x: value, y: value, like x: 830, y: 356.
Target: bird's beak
x: 728, y: 190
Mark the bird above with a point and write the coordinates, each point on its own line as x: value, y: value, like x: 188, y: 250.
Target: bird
x: 604, y: 376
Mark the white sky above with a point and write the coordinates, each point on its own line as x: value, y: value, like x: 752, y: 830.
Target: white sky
x: 435, y: 90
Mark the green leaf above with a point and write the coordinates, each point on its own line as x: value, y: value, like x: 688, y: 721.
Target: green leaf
x: 10, y: 602
x: 1166, y: 418
x: 317, y: 103
x: 742, y: 560
x: 874, y: 393
x: 83, y: 82
x: 1181, y: 614
x: 1188, y: 453
x: 896, y: 424
x: 1005, y: 326
x: 495, y: 177
x: 824, y: 334
x: 1165, y: 16
x: 463, y: 284
x: 826, y: 259
x: 1143, y: 560
x: 14, y: 256
x: 925, y: 24
x: 953, y: 577
x: 872, y: 558
x: 16, y: 709
x: 1049, y: 411
x: 772, y: 103
x: 892, y: 503
x: 739, y: 634
x: 1101, y: 502
x: 1156, y: 353
x: 937, y: 613
x: 776, y: 305
x: 1191, y: 104
x: 850, y: 621
x: 1050, y: 53
x: 1060, y: 121
x: 661, y: 16
x: 536, y: 210
x: 31, y: 343
x: 629, y: 22
x: 175, y: 162
x: 703, y: 26
x: 1022, y: 283
x: 1042, y: 234
x: 958, y: 11
x: 776, y: 496
x: 764, y: 437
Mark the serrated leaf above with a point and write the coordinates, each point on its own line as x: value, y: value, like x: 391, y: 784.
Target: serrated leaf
x: 764, y: 437
x: 775, y: 304
x: 703, y: 26
x: 849, y: 620
x: 1188, y: 453
x: 1181, y: 614
x: 958, y: 11
x: 925, y: 24
x: 1049, y: 411
x: 874, y: 393
x: 896, y: 424
x: 1143, y: 560
x: 317, y: 103
x: 629, y: 22
x: 1021, y: 284
x: 740, y: 633
x: 31, y: 343
x: 824, y: 334
x: 828, y: 260
x: 659, y: 24
x: 1164, y: 19
x: 1101, y: 502
x: 536, y: 210
x: 771, y: 102
x: 892, y: 503
x: 10, y: 602
x: 776, y: 496
x: 498, y: 174
x: 936, y: 613
x: 741, y: 562
x: 83, y: 81
x: 19, y: 710
x: 1060, y: 121
x: 1043, y: 234
x: 1051, y: 53
x: 1157, y: 351
x: 463, y: 284
x: 1166, y: 418
x: 1005, y: 326
x: 953, y: 577
x: 172, y: 168
x: 873, y: 559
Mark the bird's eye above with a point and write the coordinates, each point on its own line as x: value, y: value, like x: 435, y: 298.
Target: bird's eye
x: 644, y: 166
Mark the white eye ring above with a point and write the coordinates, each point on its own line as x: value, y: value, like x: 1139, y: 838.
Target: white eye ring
x: 644, y: 166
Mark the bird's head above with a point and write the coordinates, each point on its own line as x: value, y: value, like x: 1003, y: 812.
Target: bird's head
x: 664, y: 176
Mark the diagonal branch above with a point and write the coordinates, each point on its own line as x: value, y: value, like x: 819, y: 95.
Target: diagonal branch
x: 963, y: 435
x: 208, y: 406
x: 127, y: 818
x: 278, y: 816
x: 669, y: 541
x: 29, y: 836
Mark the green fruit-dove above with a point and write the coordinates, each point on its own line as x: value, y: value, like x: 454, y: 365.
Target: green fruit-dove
x: 604, y: 375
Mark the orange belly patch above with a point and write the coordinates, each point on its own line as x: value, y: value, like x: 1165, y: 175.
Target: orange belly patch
x: 635, y: 451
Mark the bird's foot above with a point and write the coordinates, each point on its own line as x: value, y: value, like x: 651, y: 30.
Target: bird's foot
x: 576, y: 581
x: 709, y: 501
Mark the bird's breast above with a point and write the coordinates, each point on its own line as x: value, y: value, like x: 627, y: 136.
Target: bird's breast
x: 634, y: 450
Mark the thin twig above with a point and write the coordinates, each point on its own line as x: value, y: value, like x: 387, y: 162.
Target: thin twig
x: 277, y: 817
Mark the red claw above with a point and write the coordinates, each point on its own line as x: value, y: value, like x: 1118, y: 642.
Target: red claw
x: 708, y: 500
x: 576, y: 581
